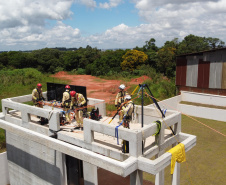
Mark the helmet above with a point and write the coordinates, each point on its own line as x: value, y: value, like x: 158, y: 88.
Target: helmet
x: 128, y: 97
x: 72, y: 93
x: 39, y: 85
x: 67, y: 87
x: 122, y: 86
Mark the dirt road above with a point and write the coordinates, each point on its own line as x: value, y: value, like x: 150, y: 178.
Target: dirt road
x: 96, y: 87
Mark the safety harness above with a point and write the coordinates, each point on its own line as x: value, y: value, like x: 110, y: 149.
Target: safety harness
x: 116, y: 128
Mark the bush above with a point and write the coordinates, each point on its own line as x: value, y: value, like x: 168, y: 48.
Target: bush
x: 81, y: 71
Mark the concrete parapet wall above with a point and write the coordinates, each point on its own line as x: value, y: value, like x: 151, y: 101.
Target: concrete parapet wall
x: 203, y: 112
x: 4, y: 171
x: 169, y: 104
x: 27, y: 111
x: 203, y: 98
x: 98, y: 104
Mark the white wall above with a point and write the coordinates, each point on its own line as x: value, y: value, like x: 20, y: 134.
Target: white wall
x: 203, y: 98
x: 98, y: 104
x: 169, y: 104
x: 198, y: 111
x: 203, y: 112
x: 4, y: 172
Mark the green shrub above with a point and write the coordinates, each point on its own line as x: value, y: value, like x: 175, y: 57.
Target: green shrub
x: 81, y: 71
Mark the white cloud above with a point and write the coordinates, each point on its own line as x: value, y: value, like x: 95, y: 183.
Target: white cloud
x: 110, y: 4
x: 88, y: 3
x: 15, y: 13
x: 23, y: 23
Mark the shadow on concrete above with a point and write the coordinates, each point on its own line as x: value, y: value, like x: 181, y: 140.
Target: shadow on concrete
x: 37, y: 166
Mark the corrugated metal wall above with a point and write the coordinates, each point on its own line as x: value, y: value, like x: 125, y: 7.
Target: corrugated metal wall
x: 215, y: 79
x: 202, y: 70
x: 203, y: 74
x: 223, y: 85
x: 192, y: 70
x: 181, y: 71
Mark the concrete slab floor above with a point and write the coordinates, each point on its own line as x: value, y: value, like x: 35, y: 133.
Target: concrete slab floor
x: 102, y: 139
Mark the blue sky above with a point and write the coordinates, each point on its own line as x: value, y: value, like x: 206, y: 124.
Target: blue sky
x: 98, y: 20
x: 106, y: 24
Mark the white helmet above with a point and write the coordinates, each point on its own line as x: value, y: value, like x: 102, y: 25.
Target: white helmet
x: 128, y: 97
x: 122, y: 86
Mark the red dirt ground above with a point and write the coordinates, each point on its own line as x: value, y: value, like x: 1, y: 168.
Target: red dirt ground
x: 96, y: 87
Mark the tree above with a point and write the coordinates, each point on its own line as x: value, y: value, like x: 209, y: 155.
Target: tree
x: 214, y: 42
x: 166, y: 61
x: 150, y: 45
x: 133, y: 59
x: 192, y: 44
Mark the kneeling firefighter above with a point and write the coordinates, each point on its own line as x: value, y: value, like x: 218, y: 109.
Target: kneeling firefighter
x: 126, y: 113
x: 77, y: 103
x: 66, y: 102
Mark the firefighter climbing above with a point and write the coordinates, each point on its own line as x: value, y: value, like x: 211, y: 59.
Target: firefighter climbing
x: 77, y: 103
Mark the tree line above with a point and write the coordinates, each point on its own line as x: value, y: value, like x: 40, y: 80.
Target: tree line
x: 96, y: 62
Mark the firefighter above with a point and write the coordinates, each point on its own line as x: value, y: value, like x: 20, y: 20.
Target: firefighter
x: 126, y: 112
x: 77, y: 102
x: 120, y: 97
x: 66, y: 102
x: 37, y: 96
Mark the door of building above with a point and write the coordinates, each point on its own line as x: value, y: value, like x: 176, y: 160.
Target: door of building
x: 74, y: 171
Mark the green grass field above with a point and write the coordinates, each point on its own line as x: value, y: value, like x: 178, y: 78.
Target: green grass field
x: 206, y: 162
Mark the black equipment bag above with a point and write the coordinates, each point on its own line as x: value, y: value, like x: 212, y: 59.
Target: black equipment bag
x: 94, y: 114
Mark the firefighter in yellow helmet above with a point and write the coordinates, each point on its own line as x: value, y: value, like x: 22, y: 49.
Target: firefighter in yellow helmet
x: 37, y: 96
x: 120, y: 97
x: 66, y: 102
x: 78, y: 101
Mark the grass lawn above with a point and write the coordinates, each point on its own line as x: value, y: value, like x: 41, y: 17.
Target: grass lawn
x: 206, y: 162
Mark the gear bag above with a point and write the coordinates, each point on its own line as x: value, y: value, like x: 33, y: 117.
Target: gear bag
x: 94, y: 114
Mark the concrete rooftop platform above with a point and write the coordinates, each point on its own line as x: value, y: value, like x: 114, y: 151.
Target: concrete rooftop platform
x: 96, y: 145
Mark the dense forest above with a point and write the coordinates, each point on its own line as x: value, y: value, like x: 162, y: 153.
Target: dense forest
x: 110, y: 62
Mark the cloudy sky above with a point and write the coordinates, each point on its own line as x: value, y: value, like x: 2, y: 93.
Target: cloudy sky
x: 105, y: 24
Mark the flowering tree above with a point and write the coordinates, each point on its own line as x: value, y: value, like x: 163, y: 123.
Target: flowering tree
x: 133, y: 59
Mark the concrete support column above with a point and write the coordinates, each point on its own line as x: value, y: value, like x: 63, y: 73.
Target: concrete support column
x: 159, y: 178
x: 176, y: 174
x: 90, y: 174
x: 136, y: 178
